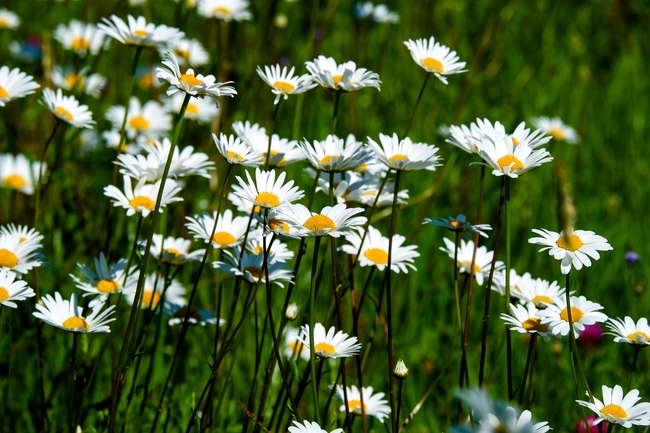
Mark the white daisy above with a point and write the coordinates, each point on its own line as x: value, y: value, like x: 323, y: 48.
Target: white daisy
x: 583, y: 312
x: 572, y: 249
x: 197, y: 317
x: 229, y: 232
x: 522, y: 135
x: 16, y: 172
x: 508, y: 421
x: 293, y: 346
x: 25, y: 234
x: 404, y: 155
x: 8, y: 19
x: 334, y: 154
x: 482, y: 262
x: 344, y: 77
x: 277, y: 224
x: 374, y: 251
x: 104, y: 280
x: 506, y: 158
x: 373, y: 403
x: 112, y: 140
x: 518, y: 284
x: 236, y: 151
x: 68, y: 316
x: 17, y: 255
x: 330, y: 344
x: 378, y: 14
x: 554, y: 127
x: 15, y: 84
x: 463, y: 137
x: 283, y: 83
x: 174, y: 251
x: 525, y: 320
x: 626, y: 331
x: 251, y: 268
x: 188, y: 52
x: 142, y: 198
x: 138, y: 31
x: 13, y: 290
x: 268, y: 193
x: 79, y: 37
x: 150, y: 119
x: 310, y: 427
x: 201, y: 110
x: 236, y: 197
x: 435, y: 58
x: 196, y: 85
x: 615, y: 408
x: 460, y: 224
x: 331, y: 221
x: 185, y: 162
x: 283, y: 150
x: 540, y: 292
x: 152, y: 293
x: 244, y: 129
x: 68, y: 109
x: 278, y: 252
x: 226, y: 10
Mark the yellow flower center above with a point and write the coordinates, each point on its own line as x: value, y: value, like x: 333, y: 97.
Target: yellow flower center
x: 7, y: 259
x: 75, y: 322
x: 324, y: 349
x: 541, y: 299
x: 4, y: 294
x: 534, y: 324
x: 253, y: 270
x: 614, y: 410
x: 328, y: 159
x: 108, y: 286
x: 14, y: 181
x: 363, y: 167
x: 182, y: 53
x: 397, y: 157
x: 3, y: 93
x: 467, y: 263
x: 141, y: 33
x: 146, y: 81
x: 72, y: 79
x: 234, y: 157
x: 570, y: 243
x: 370, y: 193
x: 80, y: 44
x: 510, y: 161
x: 556, y: 133
x: 3, y: 23
x: 258, y: 250
x: 220, y: 10
x: 514, y: 141
x: 191, y: 109
x: 276, y: 225
x: 457, y: 223
x: 377, y: 255
x: 142, y: 201
x: 190, y: 80
x: 223, y: 238
x: 172, y: 251
x: 337, y: 78
x: 150, y: 299
x: 267, y: 199
x: 271, y: 162
x: 355, y: 405
x: 319, y: 222
x: 139, y: 123
x: 64, y: 113
x: 643, y: 335
x: 576, y: 315
x: 21, y: 240
x: 434, y: 64
x: 284, y: 86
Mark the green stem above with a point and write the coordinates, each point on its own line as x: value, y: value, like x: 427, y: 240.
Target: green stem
x: 138, y: 51
x: 41, y: 172
x: 508, y: 335
x: 73, y: 377
x: 531, y: 353
x: 336, y: 112
x: 312, y: 353
x: 417, y: 103
x: 268, y: 151
x: 636, y: 356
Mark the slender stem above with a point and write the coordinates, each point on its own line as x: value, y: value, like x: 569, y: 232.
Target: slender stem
x: 508, y: 336
x: 636, y: 356
x: 461, y: 377
x: 73, y: 377
x: 312, y: 353
x: 399, y: 400
x: 336, y: 112
x: 268, y: 151
x: 134, y: 248
x: 417, y: 102
x: 529, y: 358
x: 138, y: 51
x: 41, y: 172
x: 530, y: 378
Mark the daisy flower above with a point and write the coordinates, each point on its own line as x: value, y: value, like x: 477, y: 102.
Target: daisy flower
x: 244, y: 129
x: 277, y: 224
x: 8, y: 19
x: 236, y: 151
x: 334, y: 154
x: 16, y: 172
x: 378, y: 14
x: 283, y: 83
x: 330, y: 344
x: 67, y: 79
x: 522, y: 135
x: 25, y: 234
x: 197, y: 317
x: 404, y: 155
x: 138, y: 32
x: 310, y: 427
x: 79, y: 37
x: 460, y: 224
x: 344, y: 77
x: 174, y: 251
x: 251, y: 268
x: 188, y: 52
x: 68, y: 109
x: 556, y: 128
x: 507, y: 420
x: 373, y: 403
x: 540, y: 292
x: 506, y: 158
x: 142, y: 198
x: 518, y: 284
x: 153, y: 290
x: 13, y: 290
x: 331, y: 221
x: 626, y: 331
x: 278, y: 252
x: 583, y: 312
x: 150, y: 119
x: 17, y: 255
x: 435, y: 58
x: 226, y: 10
x: 615, y: 408
x: 482, y: 262
x: 525, y: 320
x: 229, y: 232
x: 463, y: 137
x: 15, y: 84
x: 185, y: 162
x: 572, y: 249
x: 198, y: 86
x: 374, y: 251
x: 236, y: 197
x: 201, y: 110
x: 268, y: 193
x: 104, y: 280
x: 293, y: 346
x: 68, y: 316
x: 283, y: 150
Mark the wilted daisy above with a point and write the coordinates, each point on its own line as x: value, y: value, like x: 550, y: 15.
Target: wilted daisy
x: 572, y: 249
x: 226, y: 10
x: 251, y: 268
x: 334, y: 154
x: 556, y: 128
x: 188, y: 52
x: 460, y: 224
x: 152, y: 293
x: 617, y: 408
x: 25, y: 234
x: 201, y: 110
x: 104, y: 281
x: 583, y: 312
x: 435, y: 58
x: 293, y: 346
x: 150, y: 119
x: 68, y: 316
x: 626, y: 331
x: 331, y: 221
x: 229, y: 232
x: 310, y: 427
x: 142, y: 198
x: 236, y: 151
x: 330, y: 344
x: 283, y: 83
x: 524, y: 319
x: 344, y: 77
x: 404, y: 155
x: 138, y: 31
x: 482, y: 262
x: 197, y: 317
x: 15, y: 84
x: 374, y: 251
x: 13, y: 290
x: 16, y: 172
x: 267, y: 192
x: 373, y: 403
x: 8, y: 19
x: 195, y: 85
x: 79, y: 37
x: 68, y: 109
x: 17, y: 255
x: 174, y: 251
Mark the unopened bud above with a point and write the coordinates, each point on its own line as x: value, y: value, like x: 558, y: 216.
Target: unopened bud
x: 401, y: 371
x: 292, y: 312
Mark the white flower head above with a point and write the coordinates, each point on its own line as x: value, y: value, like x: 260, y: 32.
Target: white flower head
x: 236, y: 151
x: 335, y: 154
x: 374, y: 251
x: 149, y: 120
x: 310, y: 427
x: 525, y: 320
x: 283, y: 83
x: 627, y: 331
x: 138, y: 32
x: 67, y: 315
x: 17, y: 172
x: 104, y: 281
x: 616, y: 408
x: 15, y: 84
x: 330, y: 344
x: 556, y: 128
x: 583, y: 312
x: 482, y: 262
x: 79, y: 37
x: 142, y: 198
x: 331, y: 221
x: 344, y: 77
x: 12, y: 289
x: 435, y: 58
x: 404, y: 155
x: 8, y: 19
x: 574, y: 249
x: 267, y: 192
x: 68, y: 109
x: 226, y: 10
x: 374, y: 403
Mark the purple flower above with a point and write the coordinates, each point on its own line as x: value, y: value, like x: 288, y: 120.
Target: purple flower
x: 631, y: 257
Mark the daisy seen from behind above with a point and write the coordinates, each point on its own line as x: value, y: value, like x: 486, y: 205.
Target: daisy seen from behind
x: 226, y: 10
x: 141, y: 199
x: 404, y: 155
x: 283, y: 83
x: 267, y: 192
x: 374, y: 404
x: 15, y: 84
x: 374, y: 251
x: 136, y: 31
x: 573, y: 249
x: 67, y: 315
x: 17, y: 172
x: 330, y: 344
x: 12, y: 289
x: 617, y: 408
x: 583, y: 312
x: 627, y: 331
x: 555, y: 127
x: 310, y: 427
x: 68, y: 109
x: 344, y: 77
x: 435, y: 58
x: 335, y: 154
x: 331, y: 221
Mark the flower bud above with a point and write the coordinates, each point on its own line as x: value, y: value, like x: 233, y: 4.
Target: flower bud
x: 292, y: 312
x: 400, y: 371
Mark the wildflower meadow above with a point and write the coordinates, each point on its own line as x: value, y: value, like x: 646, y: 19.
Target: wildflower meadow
x: 324, y: 216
